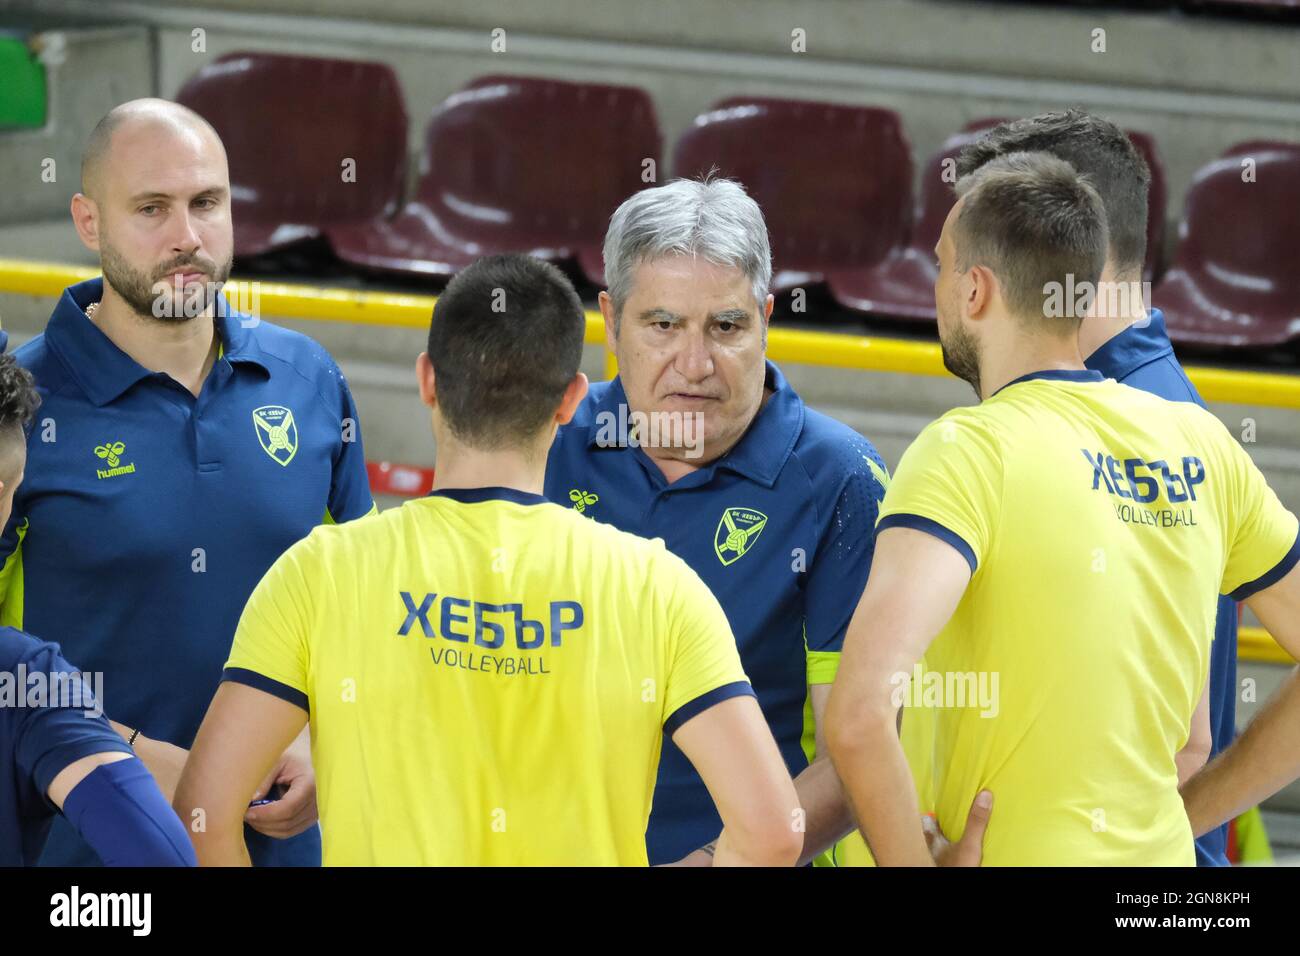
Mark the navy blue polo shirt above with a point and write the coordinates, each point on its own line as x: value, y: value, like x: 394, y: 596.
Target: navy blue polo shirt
x: 147, y: 515
x: 1142, y: 357
x: 41, y: 733
x: 781, y: 529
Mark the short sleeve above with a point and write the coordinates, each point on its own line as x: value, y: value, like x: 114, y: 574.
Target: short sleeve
x: 703, y: 663
x: 949, y: 484
x: 349, y: 484
x: 66, y: 726
x: 270, y: 650
x: 837, y: 574
x: 1262, y: 545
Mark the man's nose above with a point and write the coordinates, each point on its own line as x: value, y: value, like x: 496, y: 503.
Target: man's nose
x: 185, y: 239
x: 695, y: 361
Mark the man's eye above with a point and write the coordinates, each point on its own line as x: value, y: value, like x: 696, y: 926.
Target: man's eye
x: 663, y: 325
x: 725, y: 326
x: 149, y: 210
x: 206, y: 203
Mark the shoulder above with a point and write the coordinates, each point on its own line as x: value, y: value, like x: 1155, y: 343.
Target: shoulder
x: 300, y: 355
x: 47, y: 369
x: 18, y: 647
x: 834, y: 455
x: 970, y: 427
x: 1164, y: 377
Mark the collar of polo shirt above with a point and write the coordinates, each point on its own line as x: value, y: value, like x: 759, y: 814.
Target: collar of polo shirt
x: 102, y: 369
x: 1140, y: 343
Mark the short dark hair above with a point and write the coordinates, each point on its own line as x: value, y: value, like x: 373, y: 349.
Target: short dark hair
x: 505, y: 342
x: 18, y: 396
x: 1035, y: 222
x: 1095, y: 147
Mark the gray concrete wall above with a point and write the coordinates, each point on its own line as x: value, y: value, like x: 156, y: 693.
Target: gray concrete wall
x: 88, y: 72
x: 1196, y: 84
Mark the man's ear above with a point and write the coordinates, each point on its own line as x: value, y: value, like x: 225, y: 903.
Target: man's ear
x: 574, y: 393
x: 979, y: 290
x: 607, y: 310
x: 425, y: 379
x: 85, y: 217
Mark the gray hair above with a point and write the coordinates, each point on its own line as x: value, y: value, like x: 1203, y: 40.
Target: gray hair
x: 713, y: 219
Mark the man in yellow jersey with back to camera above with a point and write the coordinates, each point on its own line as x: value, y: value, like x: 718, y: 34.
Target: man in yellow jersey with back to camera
x: 1057, y: 545
x: 489, y: 676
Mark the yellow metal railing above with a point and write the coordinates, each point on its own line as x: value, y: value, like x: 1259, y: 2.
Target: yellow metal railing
x: 826, y: 349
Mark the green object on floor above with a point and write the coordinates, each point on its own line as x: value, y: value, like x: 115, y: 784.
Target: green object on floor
x: 22, y: 92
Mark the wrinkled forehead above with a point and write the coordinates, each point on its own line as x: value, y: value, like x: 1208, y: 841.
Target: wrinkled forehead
x: 690, y: 286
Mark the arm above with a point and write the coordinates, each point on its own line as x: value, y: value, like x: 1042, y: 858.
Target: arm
x: 828, y: 815
x: 67, y: 779
x: 916, y: 583
x: 732, y: 749
x: 115, y: 805
x: 1267, y: 756
x: 243, y: 734
x: 349, y: 494
x: 165, y: 761
x: 1199, y: 739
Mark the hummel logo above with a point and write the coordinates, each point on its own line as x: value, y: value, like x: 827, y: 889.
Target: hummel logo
x: 111, y: 452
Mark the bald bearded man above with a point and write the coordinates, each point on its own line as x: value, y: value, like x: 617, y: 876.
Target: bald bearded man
x: 180, y: 448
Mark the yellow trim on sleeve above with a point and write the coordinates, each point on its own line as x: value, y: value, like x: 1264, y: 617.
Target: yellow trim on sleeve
x: 822, y: 666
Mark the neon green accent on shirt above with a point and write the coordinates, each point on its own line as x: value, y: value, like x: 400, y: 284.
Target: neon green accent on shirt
x: 11, y: 584
x: 881, y: 474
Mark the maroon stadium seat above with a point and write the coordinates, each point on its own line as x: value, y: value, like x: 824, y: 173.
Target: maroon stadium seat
x: 290, y: 123
x: 1233, y: 281
x: 834, y: 182
x: 901, y: 286
x: 515, y: 164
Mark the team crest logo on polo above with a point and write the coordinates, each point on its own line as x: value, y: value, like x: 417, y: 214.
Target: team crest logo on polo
x: 276, y: 432
x: 111, y: 452
x: 737, y: 532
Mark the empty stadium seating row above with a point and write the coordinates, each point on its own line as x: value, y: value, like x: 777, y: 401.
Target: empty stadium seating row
x: 318, y: 151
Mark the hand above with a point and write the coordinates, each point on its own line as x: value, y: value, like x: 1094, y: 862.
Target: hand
x: 296, y: 810
x: 969, y: 850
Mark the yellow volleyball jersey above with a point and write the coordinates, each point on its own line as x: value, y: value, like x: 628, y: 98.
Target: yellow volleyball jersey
x: 1099, y: 522
x: 488, y: 677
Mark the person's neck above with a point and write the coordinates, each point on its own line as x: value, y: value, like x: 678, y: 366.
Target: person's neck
x: 1027, y: 354
x: 183, y: 350
x: 460, y: 466
x: 1112, y: 313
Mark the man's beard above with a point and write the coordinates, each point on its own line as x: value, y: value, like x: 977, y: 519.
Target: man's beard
x: 961, y: 356
x: 145, y: 295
